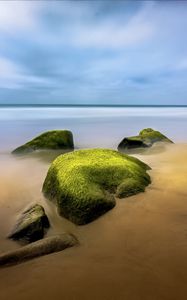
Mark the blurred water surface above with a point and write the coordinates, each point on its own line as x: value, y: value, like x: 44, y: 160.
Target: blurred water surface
x: 91, y: 126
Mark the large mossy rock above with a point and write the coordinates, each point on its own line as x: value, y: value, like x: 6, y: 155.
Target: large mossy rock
x: 84, y: 183
x: 146, y: 138
x: 53, y: 140
x: 31, y: 226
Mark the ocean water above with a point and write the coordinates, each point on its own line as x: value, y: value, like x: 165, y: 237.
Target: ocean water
x: 136, y: 251
x: 91, y: 126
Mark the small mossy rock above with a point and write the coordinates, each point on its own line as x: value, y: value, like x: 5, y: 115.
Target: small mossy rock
x: 152, y: 136
x: 39, y: 248
x: 31, y: 226
x: 83, y: 183
x: 53, y: 140
x: 146, y: 138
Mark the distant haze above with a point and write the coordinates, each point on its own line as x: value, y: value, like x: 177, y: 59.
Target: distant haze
x: 93, y: 52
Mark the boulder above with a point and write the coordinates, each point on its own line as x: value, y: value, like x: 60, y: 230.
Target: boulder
x: 146, y: 138
x: 83, y: 183
x: 42, y: 247
x: 50, y: 140
x: 31, y: 226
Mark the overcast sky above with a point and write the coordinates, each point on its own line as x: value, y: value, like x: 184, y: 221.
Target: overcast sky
x: 93, y: 52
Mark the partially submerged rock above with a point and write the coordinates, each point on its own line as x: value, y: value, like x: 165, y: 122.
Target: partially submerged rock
x: 53, y: 140
x: 83, y: 183
x: 42, y: 247
x: 31, y: 226
x: 146, y: 138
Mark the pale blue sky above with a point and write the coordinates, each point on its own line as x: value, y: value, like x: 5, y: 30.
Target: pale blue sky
x: 93, y: 52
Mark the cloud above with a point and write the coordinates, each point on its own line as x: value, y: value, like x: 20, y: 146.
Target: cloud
x: 181, y: 65
x: 18, y: 15
x: 92, y: 51
x: 115, y: 34
x: 14, y: 76
x: 9, y: 74
x: 81, y: 25
x: 112, y: 35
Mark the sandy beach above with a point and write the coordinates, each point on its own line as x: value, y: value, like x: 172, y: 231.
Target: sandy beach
x: 136, y: 251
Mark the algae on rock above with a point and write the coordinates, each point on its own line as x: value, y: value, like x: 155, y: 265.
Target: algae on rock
x: 83, y: 183
x: 53, y: 140
x: 146, y: 138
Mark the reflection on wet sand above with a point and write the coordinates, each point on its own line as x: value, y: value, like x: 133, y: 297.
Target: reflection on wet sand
x: 137, y: 251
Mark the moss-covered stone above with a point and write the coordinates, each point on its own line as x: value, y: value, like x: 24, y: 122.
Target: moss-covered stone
x: 31, y: 226
x: 53, y: 140
x: 146, y: 138
x: 129, y: 187
x: 83, y: 183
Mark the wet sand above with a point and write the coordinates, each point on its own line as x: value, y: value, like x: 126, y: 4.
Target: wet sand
x: 137, y: 251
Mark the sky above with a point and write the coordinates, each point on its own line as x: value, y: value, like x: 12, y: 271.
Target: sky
x: 93, y: 52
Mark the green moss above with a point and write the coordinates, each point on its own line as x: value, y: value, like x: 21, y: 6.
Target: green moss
x: 153, y: 136
x: 146, y: 138
x: 54, y: 140
x: 83, y: 183
x: 130, y: 187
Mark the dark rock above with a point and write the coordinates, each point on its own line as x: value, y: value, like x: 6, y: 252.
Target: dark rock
x: 42, y: 247
x: 31, y: 226
x: 133, y: 142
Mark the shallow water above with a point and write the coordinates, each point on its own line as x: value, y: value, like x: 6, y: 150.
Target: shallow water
x: 136, y: 251
x: 92, y: 127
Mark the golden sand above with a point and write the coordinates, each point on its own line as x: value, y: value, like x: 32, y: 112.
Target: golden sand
x: 137, y: 251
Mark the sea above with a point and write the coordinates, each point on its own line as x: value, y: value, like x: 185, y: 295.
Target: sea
x: 91, y: 126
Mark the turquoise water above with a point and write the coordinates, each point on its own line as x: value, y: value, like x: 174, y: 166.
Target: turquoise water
x: 91, y: 126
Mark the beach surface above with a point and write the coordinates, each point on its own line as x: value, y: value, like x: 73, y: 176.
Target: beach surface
x: 136, y: 251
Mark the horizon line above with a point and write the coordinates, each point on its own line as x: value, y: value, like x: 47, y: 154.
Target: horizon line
x: 92, y: 105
